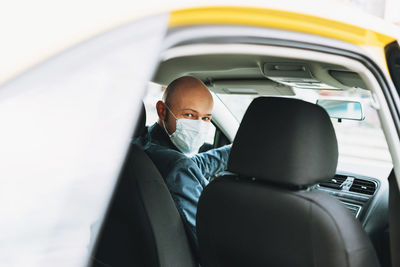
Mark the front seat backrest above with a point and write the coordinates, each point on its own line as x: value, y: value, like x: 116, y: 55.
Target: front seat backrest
x: 142, y: 226
x: 264, y: 214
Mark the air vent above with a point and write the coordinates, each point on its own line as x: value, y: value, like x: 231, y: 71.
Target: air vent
x: 336, y: 182
x: 363, y: 186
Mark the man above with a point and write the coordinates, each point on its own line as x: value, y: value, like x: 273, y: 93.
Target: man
x: 184, y: 120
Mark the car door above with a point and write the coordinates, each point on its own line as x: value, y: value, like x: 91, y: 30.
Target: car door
x: 65, y: 129
x: 392, y: 52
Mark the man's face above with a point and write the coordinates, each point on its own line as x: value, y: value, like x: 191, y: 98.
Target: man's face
x: 194, y: 102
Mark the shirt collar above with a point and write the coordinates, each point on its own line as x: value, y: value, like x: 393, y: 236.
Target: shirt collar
x: 160, y: 137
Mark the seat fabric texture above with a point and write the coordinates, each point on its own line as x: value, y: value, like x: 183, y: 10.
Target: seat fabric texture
x: 264, y: 214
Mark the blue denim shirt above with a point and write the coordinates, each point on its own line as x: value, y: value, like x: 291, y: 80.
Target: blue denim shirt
x: 186, y: 177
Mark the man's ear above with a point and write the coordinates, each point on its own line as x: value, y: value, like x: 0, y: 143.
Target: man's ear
x: 161, y: 110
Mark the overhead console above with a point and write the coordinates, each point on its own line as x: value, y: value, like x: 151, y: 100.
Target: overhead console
x: 294, y: 74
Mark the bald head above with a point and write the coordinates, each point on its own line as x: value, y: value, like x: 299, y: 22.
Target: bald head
x: 186, y: 85
x: 186, y: 97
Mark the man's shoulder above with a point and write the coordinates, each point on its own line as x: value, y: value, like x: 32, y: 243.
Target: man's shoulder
x: 169, y: 161
x: 160, y: 153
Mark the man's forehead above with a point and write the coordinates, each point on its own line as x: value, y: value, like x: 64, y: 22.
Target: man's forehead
x: 191, y: 98
x: 190, y: 90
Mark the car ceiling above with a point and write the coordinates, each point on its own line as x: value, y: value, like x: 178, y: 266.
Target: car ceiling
x: 230, y: 73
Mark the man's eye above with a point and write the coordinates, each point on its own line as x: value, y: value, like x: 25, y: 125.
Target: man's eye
x: 206, y: 118
x: 189, y: 115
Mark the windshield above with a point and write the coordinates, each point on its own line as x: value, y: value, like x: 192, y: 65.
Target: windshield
x: 362, y: 144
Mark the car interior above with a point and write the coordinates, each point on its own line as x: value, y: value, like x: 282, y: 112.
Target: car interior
x: 295, y: 192
x: 142, y: 219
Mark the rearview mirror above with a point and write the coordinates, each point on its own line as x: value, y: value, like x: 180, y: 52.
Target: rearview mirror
x: 342, y: 109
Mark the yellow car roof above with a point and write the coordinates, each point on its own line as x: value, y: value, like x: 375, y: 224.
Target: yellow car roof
x: 279, y: 19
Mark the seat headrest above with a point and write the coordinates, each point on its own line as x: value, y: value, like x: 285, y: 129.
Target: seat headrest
x: 285, y: 141
x: 141, y: 123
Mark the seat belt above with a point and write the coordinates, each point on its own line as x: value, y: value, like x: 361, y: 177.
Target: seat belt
x: 394, y: 219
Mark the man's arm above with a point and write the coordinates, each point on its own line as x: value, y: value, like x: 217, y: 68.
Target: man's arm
x: 212, y: 161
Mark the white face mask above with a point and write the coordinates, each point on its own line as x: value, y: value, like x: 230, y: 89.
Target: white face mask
x: 189, y: 134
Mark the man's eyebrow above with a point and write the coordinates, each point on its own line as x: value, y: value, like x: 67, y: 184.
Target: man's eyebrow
x: 195, y: 111
x: 186, y: 109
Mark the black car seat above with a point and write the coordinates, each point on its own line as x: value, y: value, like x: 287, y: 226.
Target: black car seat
x: 264, y: 214
x: 142, y: 226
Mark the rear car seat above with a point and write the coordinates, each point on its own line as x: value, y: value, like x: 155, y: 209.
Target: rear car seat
x: 142, y: 226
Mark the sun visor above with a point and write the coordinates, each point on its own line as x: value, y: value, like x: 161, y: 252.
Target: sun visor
x: 347, y: 78
x: 251, y: 87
